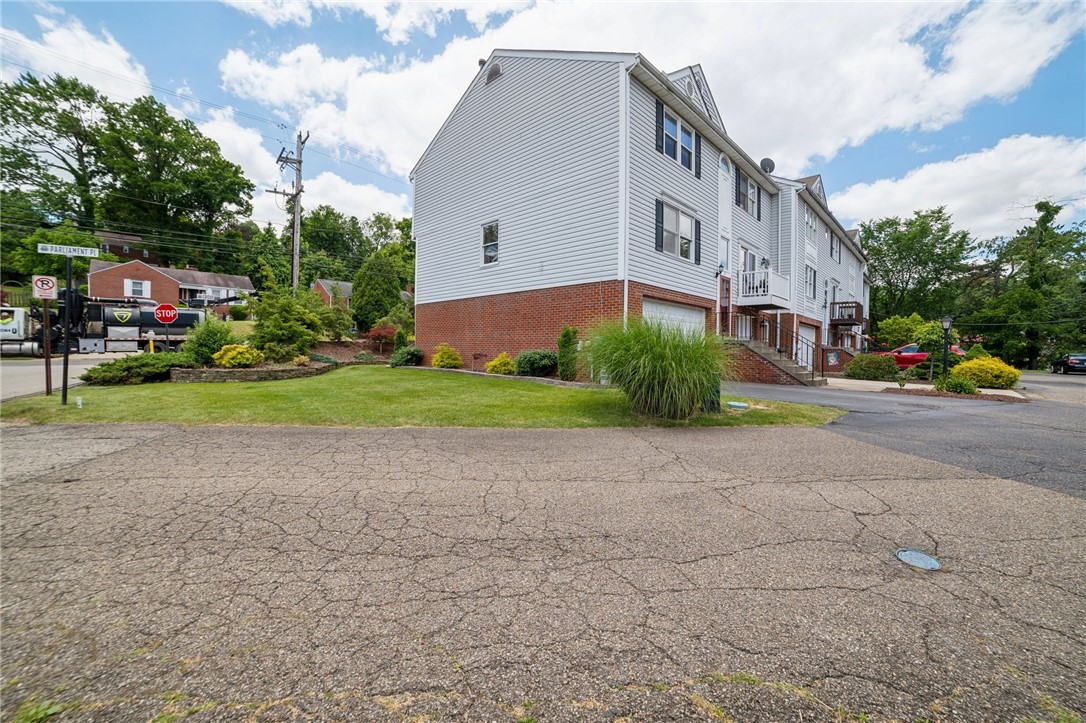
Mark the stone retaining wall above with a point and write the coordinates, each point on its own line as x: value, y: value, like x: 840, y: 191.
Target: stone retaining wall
x: 265, y: 374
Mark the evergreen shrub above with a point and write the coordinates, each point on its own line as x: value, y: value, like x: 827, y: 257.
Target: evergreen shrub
x: 872, y: 367
x: 958, y: 385
x: 536, y: 363
x: 988, y: 373
x: 502, y: 364
x: 567, y: 354
x: 240, y: 312
x: 205, y: 339
x: 406, y: 356
x: 445, y: 357
x: 238, y: 356
x: 136, y: 369
x: 977, y: 351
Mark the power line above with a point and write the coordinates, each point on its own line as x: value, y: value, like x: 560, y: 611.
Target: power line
x: 1018, y: 323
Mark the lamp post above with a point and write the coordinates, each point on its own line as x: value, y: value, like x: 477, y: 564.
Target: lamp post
x: 946, y: 321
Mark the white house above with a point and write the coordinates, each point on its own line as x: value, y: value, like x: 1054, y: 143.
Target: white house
x: 572, y: 187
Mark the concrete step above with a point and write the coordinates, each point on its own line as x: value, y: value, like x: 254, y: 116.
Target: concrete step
x: 797, y: 371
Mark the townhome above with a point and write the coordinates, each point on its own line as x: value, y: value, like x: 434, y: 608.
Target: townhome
x: 573, y: 187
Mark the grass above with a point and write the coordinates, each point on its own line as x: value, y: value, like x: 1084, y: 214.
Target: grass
x: 377, y: 396
x: 241, y: 329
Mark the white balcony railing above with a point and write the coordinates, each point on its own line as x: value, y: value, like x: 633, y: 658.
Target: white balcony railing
x: 762, y: 288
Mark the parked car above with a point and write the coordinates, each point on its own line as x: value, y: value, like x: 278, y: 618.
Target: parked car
x: 910, y: 355
x: 1069, y: 363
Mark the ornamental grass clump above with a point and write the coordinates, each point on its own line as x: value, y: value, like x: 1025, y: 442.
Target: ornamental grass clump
x: 665, y: 372
x: 988, y: 373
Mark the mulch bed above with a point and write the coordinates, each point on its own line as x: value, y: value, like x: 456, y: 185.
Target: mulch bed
x: 345, y: 351
x: 933, y: 393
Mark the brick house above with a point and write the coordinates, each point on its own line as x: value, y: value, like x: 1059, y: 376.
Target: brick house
x: 326, y: 289
x: 188, y: 287
x: 126, y: 245
x: 570, y: 187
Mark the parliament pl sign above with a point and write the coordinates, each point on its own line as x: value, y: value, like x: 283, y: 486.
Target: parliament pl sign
x: 57, y: 250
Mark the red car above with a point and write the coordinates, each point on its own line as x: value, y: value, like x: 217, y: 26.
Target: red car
x: 910, y: 355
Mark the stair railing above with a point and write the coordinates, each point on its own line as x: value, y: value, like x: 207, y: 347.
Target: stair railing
x: 777, y: 341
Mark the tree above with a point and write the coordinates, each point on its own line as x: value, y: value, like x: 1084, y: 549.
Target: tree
x: 326, y: 229
x: 898, y: 331
x: 376, y: 290
x: 915, y: 264
x: 1029, y: 298
x: 266, y: 261
x: 51, y: 143
x: 169, y: 182
x: 25, y: 259
x: 19, y: 218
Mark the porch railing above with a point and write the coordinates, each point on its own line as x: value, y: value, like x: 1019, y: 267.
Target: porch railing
x: 778, y: 341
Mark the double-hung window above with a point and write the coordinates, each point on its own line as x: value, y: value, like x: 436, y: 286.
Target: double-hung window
x: 677, y: 233
x: 677, y: 140
x: 490, y: 243
x: 748, y: 195
x: 835, y: 248
x: 810, y: 225
x: 137, y: 287
x: 810, y: 282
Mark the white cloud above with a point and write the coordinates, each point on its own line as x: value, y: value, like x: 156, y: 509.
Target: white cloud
x: 351, y: 199
x: 398, y: 21
x: 64, y: 42
x: 990, y: 193
x: 243, y: 146
x: 780, y: 94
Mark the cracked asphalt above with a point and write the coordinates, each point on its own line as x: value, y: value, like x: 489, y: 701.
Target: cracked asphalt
x: 224, y: 573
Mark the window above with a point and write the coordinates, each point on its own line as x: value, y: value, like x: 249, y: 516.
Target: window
x: 810, y: 282
x: 835, y: 248
x: 677, y: 233
x: 677, y: 140
x: 810, y: 224
x: 124, y: 249
x: 137, y: 287
x: 105, y: 247
x: 748, y: 195
x: 490, y: 243
x: 494, y: 73
x: 146, y: 254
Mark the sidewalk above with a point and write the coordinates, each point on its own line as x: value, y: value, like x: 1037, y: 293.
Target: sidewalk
x: 863, y: 385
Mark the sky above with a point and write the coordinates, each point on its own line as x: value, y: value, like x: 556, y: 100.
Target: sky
x: 900, y: 106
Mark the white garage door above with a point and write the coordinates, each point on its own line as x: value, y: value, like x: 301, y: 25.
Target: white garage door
x: 689, y: 318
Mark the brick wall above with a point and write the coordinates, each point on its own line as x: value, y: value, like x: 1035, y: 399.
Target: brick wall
x: 110, y: 282
x: 755, y: 369
x: 844, y: 356
x: 482, y: 327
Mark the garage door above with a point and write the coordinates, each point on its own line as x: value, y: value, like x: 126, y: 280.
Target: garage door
x: 689, y: 318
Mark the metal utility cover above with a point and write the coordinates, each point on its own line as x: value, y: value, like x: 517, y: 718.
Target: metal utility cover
x: 919, y: 560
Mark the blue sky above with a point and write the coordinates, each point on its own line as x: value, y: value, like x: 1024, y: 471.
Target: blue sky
x: 900, y: 107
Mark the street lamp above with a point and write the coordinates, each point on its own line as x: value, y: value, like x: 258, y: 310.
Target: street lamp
x: 946, y: 321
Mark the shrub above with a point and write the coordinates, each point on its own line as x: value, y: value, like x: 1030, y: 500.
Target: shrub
x: 399, y: 340
x: 872, y: 367
x: 406, y: 356
x: 136, y: 369
x: 933, y: 365
x: 205, y: 339
x: 665, y: 371
x: 400, y: 317
x: 989, y: 373
x: 238, y: 356
x: 502, y: 364
x: 286, y: 326
x: 567, y: 354
x: 536, y: 363
x: 895, y: 331
x: 376, y: 291
x: 364, y: 357
x: 445, y: 357
x: 958, y: 385
x: 336, y: 321
x: 322, y: 359
x: 240, y: 312
x: 380, y: 335
x: 300, y: 361
x: 977, y: 351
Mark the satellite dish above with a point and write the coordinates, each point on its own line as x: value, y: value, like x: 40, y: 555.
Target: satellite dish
x: 767, y: 165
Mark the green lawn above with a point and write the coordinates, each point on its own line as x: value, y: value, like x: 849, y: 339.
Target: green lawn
x: 377, y: 396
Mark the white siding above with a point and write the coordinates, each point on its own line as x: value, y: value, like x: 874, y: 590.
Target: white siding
x: 656, y: 176
x: 536, y: 150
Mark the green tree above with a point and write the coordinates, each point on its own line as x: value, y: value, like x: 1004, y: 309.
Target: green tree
x: 266, y: 261
x: 1029, y: 298
x: 25, y: 259
x: 898, y: 331
x: 915, y: 264
x: 19, y: 218
x: 50, y: 143
x: 326, y: 229
x: 376, y: 290
x: 169, y: 182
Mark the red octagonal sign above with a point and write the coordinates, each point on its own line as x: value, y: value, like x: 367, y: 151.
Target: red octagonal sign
x: 165, y: 313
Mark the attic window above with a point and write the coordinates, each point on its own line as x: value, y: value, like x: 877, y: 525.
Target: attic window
x: 689, y: 88
x: 494, y: 73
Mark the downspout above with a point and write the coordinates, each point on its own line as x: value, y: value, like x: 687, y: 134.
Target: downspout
x: 780, y: 241
x: 623, y: 188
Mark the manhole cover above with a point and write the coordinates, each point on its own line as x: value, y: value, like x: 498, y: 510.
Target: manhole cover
x: 917, y: 559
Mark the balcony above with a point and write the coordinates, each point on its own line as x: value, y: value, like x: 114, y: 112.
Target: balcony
x: 846, y: 313
x: 763, y: 289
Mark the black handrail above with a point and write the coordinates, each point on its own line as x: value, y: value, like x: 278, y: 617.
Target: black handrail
x: 781, y: 341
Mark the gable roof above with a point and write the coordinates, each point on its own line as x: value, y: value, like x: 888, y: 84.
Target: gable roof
x: 345, y: 287
x: 692, y: 80
x: 189, y: 277
x: 810, y: 190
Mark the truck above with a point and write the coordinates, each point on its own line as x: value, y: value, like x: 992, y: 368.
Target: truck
x: 98, y: 324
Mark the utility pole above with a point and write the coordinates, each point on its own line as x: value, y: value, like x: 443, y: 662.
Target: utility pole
x: 295, y: 196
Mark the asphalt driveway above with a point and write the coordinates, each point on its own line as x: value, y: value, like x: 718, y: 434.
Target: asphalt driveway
x: 408, y: 574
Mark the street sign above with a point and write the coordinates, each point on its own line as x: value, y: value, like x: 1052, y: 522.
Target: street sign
x: 45, y: 287
x: 165, y: 313
x: 68, y: 250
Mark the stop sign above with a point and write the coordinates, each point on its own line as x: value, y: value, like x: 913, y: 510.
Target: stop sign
x: 165, y: 313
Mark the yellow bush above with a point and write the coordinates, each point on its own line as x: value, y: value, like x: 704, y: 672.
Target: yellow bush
x: 502, y: 364
x: 988, y: 373
x: 445, y: 357
x: 237, y: 356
